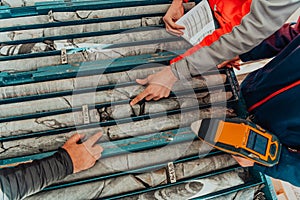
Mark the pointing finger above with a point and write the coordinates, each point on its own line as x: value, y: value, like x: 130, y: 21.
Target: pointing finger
x: 139, y: 97
x: 93, y: 139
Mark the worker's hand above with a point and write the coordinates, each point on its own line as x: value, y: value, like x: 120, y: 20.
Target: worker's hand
x: 84, y: 155
x: 233, y: 63
x: 243, y: 161
x: 175, y: 11
x: 159, y: 86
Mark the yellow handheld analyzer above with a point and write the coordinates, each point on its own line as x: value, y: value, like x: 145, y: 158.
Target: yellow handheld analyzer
x: 240, y: 137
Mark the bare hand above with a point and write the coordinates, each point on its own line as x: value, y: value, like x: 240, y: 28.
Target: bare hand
x: 84, y: 155
x: 159, y: 86
x: 235, y: 62
x: 243, y: 161
x: 175, y: 11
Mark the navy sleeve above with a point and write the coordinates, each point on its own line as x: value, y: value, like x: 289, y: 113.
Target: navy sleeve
x: 287, y: 169
x: 271, y: 46
x: 26, y: 179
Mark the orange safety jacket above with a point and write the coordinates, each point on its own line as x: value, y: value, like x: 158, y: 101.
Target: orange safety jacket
x: 243, y: 25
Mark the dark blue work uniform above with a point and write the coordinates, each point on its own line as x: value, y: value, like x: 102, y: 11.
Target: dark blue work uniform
x: 272, y: 96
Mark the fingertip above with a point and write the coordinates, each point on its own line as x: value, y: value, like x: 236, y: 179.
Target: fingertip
x: 132, y: 103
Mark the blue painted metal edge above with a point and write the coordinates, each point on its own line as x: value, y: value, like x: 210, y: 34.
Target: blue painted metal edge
x: 77, y: 22
x: 111, y: 122
x: 85, y: 68
x: 121, y: 146
x: 269, y: 189
x: 63, y: 6
x: 217, y: 172
x: 142, y: 170
x: 101, y: 105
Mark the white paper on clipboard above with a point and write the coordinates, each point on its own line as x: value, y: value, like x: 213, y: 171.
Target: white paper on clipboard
x: 198, y: 23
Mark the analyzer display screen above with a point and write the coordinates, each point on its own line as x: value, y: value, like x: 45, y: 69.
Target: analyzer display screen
x: 257, y: 142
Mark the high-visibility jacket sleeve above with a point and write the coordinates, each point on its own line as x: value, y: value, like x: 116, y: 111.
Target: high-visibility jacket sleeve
x: 274, y: 44
x: 252, y: 22
x: 287, y: 169
x: 26, y: 179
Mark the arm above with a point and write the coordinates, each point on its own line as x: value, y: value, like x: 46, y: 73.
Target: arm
x: 268, y: 48
x: 26, y: 179
x: 274, y: 44
x: 258, y: 20
x: 287, y: 169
